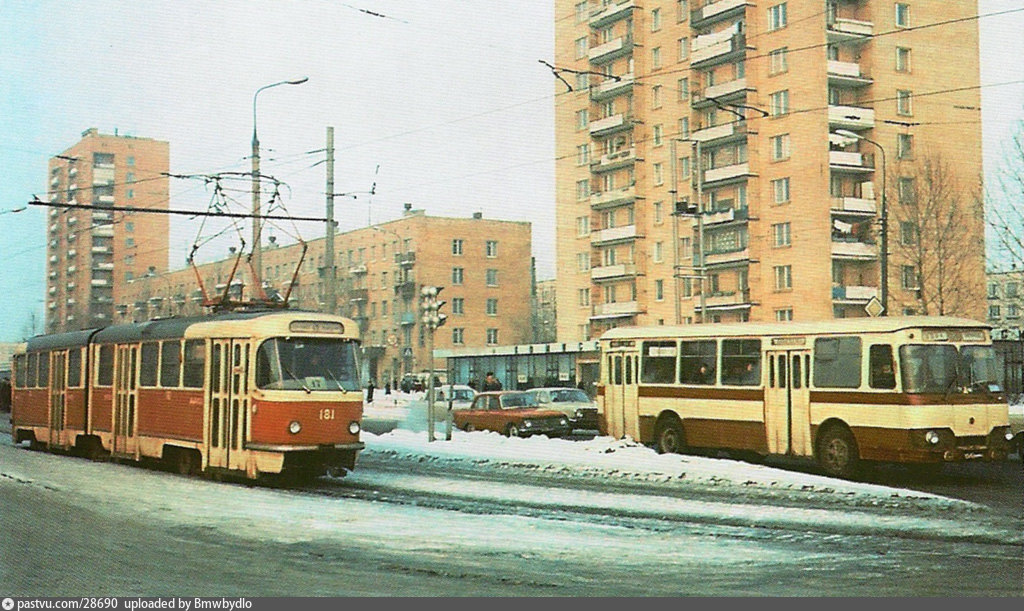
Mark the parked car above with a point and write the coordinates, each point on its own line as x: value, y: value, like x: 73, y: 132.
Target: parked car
x: 462, y: 398
x: 573, y: 402
x: 513, y: 413
x: 1017, y: 427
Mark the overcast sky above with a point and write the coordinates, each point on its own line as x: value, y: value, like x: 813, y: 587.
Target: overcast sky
x: 446, y: 96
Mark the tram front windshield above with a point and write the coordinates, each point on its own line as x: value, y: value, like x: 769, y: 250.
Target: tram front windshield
x: 308, y: 364
x: 944, y: 369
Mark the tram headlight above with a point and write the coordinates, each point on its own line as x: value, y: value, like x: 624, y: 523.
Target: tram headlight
x: 931, y: 437
x: 294, y: 427
x: 354, y: 428
x: 1009, y: 435
x: 563, y: 422
x: 527, y: 423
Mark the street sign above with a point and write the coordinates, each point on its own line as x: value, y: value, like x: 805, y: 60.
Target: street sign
x: 874, y: 307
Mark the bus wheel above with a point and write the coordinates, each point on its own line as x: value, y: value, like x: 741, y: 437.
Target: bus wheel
x: 669, y: 436
x: 837, y: 452
x: 512, y: 430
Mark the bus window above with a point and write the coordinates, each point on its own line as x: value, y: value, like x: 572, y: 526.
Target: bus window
x: 150, y: 362
x: 658, y: 363
x: 74, y: 367
x: 837, y: 362
x: 741, y: 362
x: 170, y: 364
x: 105, y: 367
x: 697, y: 361
x: 979, y: 363
x: 880, y: 365
x: 929, y: 369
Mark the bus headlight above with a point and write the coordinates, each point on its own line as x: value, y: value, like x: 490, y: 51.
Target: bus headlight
x: 294, y: 427
x: 931, y: 437
x: 353, y: 427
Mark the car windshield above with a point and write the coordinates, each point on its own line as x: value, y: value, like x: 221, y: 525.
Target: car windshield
x: 518, y: 400
x: 569, y: 395
x: 308, y: 364
x: 944, y: 369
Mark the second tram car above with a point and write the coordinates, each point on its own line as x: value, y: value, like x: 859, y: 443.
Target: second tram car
x: 269, y: 392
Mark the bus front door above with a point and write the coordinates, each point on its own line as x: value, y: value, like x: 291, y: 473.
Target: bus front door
x: 621, y: 407
x: 787, y: 402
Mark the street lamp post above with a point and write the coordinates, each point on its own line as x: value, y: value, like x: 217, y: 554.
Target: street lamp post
x: 699, y: 267
x: 257, y: 259
x: 883, y: 221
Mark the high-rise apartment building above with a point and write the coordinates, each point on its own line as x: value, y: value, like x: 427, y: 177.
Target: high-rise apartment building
x: 483, y: 264
x: 92, y: 253
x: 745, y: 147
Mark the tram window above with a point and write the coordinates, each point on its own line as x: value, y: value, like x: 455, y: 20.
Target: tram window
x: 837, y: 362
x: 741, y: 362
x: 33, y: 370
x: 170, y: 364
x: 697, y: 362
x: 782, y: 372
x: 105, y: 368
x: 629, y: 370
x: 771, y: 372
x: 75, y: 367
x: 658, y: 363
x: 20, y: 371
x: 150, y: 362
x: 797, y: 378
x: 194, y: 364
x: 880, y: 364
x: 44, y: 370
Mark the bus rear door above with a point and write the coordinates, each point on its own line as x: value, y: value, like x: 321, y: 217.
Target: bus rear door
x: 621, y: 405
x: 787, y: 402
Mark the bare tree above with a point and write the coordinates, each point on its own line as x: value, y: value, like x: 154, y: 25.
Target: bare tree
x: 939, y: 245
x: 1006, y: 205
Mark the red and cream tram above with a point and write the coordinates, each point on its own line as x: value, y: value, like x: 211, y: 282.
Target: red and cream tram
x: 243, y: 392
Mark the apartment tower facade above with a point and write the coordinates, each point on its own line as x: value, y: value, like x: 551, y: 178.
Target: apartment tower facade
x: 744, y: 148
x: 92, y: 253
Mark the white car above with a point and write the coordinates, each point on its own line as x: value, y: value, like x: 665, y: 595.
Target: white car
x: 573, y: 402
x: 462, y: 398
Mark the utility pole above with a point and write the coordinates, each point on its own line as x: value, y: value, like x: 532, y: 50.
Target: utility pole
x: 331, y: 277
x: 675, y: 232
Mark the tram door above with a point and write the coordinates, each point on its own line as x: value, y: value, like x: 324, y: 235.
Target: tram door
x: 787, y: 403
x: 228, y: 413
x: 621, y: 406
x: 58, y: 397
x: 126, y: 397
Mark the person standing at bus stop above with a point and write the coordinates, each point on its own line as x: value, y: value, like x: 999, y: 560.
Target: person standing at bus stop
x: 491, y: 382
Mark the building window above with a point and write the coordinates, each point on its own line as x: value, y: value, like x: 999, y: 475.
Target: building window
x: 778, y: 103
x: 492, y: 277
x: 684, y: 127
x: 582, y: 261
x: 582, y: 225
x: 780, y: 189
x: 684, y: 48
x: 777, y: 17
x: 582, y: 189
x: 492, y: 306
x: 993, y: 311
x: 1011, y: 289
x: 902, y: 59
x: 129, y: 242
x: 909, y: 278
x: 683, y: 87
x: 684, y: 167
x: 905, y: 191
x: 993, y: 291
x: 458, y: 305
x: 908, y: 233
x: 781, y: 234
x: 659, y: 290
x: 902, y: 15
x: 682, y: 11
x: 457, y: 246
x: 582, y: 82
x: 784, y: 315
x: 659, y: 174
x: 656, y: 96
x: 581, y: 47
x: 657, y: 135
x: 780, y: 147
x: 583, y: 297
x: 458, y: 336
x: 783, y: 277
x: 903, y: 106
x: 491, y: 249
x: 492, y: 337
x: 1012, y: 311
x: 904, y: 146
x: 659, y: 255
x: 656, y: 58
x: 659, y: 213
x: 130, y: 160
x: 583, y: 154
x: 582, y: 12
x: 777, y: 61
x: 457, y: 275
x: 655, y: 19
x: 582, y: 119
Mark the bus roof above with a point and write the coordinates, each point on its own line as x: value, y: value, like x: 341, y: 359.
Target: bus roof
x: 822, y: 327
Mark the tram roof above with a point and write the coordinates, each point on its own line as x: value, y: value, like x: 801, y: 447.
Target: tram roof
x: 822, y: 327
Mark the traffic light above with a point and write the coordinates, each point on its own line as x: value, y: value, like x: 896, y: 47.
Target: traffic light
x: 430, y: 306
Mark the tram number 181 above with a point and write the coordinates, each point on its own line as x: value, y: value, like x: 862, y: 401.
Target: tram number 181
x: 327, y: 413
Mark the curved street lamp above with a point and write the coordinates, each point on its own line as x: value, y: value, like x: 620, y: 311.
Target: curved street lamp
x: 883, y: 221
x: 257, y: 259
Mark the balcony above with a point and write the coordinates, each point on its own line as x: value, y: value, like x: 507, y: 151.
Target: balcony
x: 611, y: 50
x: 611, y: 125
x: 730, y: 172
x: 72, y: 220
x: 103, y: 266
x: 100, y: 215
x: 849, y: 30
x: 614, y: 161
x: 846, y: 74
x: 720, y: 51
x: 53, y: 290
x: 738, y: 130
x: 616, y: 310
x: 853, y: 294
x: 723, y: 91
x: 731, y: 300
x: 853, y: 249
x: 105, y: 199
x: 610, y: 87
x: 851, y: 162
x: 612, y: 272
x: 357, y: 269
x: 102, y: 250
x: 610, y: 14
x: 714, y: 11
x: 72, y: 269
x: 99, y: 282
x: 854, y: 205
x: 615, y: 234
x: 405, y: 259
x: 358, y: 294
x: 103, y: 231
x: 615, y: 197
x: 850, y: 117
x: 727, y: 257
x: 724, y: 216
x: 72, y: 253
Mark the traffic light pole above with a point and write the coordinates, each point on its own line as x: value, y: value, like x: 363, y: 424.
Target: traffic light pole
x: 432, y: 319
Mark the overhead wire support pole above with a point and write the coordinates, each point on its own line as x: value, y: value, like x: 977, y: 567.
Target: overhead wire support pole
x: 331, y: 298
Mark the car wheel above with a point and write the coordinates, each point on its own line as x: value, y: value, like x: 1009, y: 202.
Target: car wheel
x: 669, y: 436
x: 512, y: 430
x: 837, y: 452
x: 469, y: 428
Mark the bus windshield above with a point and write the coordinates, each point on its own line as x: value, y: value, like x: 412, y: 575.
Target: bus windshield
x: 944, y: 369
x: 308, y: 364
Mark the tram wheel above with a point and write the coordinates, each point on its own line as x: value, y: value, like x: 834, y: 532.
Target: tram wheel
x: 837, y: 452
x: 669, y: 436
x: 187, y: 462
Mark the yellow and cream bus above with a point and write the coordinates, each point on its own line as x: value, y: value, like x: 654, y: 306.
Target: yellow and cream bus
x: 914, y: 389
